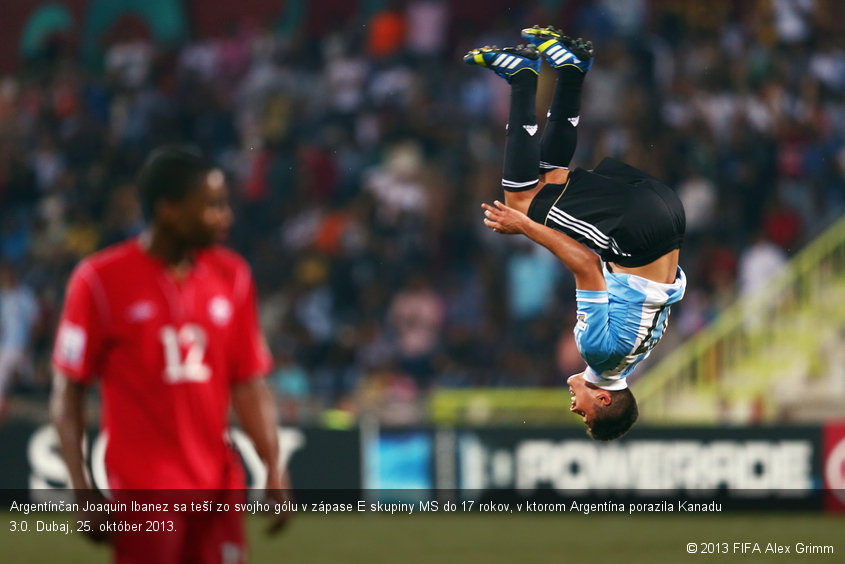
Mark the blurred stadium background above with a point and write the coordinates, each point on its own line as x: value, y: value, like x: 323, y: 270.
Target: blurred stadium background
x: 413, y: 348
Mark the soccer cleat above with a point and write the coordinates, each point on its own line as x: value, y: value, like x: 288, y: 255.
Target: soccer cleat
x: 506, y: 61
x: 559, y: 49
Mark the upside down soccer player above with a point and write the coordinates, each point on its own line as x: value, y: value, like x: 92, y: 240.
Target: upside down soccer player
x: 168, y: 324
x: 634, y: 222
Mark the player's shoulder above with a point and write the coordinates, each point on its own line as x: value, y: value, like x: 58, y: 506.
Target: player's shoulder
x: 112, y: 259
x: 224, y: 260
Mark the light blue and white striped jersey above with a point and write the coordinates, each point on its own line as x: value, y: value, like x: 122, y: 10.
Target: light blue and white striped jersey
x: 617, y: 328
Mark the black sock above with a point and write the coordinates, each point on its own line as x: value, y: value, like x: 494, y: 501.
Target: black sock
x: 522, y: 145
x: 560, y: 136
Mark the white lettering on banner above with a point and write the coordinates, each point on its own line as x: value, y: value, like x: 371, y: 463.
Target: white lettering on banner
x: 471, y: 459
x: 98, y: 463
x: 45, y: 459
x: 48, y: 470
x: 290, y: 441
x: 502, y: 468
x: 751, y: 468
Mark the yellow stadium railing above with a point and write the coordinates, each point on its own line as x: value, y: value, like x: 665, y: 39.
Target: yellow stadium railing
x: 755, y: 341
x: 501, y: 406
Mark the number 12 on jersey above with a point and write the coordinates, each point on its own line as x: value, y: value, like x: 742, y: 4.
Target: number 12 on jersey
x: 189, y: 368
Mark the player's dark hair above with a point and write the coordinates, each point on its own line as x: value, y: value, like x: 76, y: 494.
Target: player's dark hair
x: 614, y: 420
x: 169, y: 173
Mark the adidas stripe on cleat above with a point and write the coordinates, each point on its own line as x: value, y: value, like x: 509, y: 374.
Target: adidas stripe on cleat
x: 560, y: 50
x: 506, y: 61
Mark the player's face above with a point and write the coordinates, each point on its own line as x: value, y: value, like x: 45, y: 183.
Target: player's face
x: 205, y: 216
x: 584, y: 397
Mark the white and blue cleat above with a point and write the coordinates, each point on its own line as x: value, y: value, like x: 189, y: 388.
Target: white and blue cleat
x: 506, y: 61
x: 560, y: 50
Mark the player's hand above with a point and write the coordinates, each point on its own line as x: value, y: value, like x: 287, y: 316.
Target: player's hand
x: 279, y: 490
x: 503, y: 219
x: 93, y: 519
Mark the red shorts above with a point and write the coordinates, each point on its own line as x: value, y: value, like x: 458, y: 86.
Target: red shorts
x: 167, y: 535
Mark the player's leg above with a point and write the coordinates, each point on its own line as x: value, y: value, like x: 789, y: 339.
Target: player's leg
x: 571, y: 59
x: 218, y: 537
x: 143, y: 544
x: 520, y: 66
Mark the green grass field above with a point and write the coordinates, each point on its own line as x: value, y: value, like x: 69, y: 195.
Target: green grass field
x: 447, y: 538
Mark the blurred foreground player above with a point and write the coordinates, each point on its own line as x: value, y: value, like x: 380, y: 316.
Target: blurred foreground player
x: 168, y: 323
x: 634, y: 222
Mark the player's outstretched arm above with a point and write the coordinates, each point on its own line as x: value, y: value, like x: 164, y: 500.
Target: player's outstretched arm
x: 256, y: 412
x: 67, y: 412
x: 583, y: 263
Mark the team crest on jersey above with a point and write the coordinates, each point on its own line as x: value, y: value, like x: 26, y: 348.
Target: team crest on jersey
x: 71, y: 341
x: 220, y: 310
x: 582, y: 321
x: 141, y: 311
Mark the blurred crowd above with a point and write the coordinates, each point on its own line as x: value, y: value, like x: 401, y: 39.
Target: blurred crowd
x: 357, y: 161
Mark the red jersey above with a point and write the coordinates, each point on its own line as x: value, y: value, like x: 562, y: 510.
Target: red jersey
x: 166, y: 352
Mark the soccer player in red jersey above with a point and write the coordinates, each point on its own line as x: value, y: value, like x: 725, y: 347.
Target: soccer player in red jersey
x: 168, y: 324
